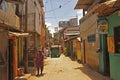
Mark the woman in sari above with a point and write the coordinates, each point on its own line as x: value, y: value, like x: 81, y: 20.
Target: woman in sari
x: 40, y: 61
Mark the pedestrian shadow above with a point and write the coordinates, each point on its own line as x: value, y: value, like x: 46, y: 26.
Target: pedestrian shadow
x: 40, y: 75
x: 92, y: 74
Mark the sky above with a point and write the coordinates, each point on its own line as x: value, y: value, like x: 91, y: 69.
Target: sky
x: 59, y: 10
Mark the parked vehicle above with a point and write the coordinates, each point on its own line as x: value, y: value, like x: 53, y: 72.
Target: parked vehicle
x: 55, y: 50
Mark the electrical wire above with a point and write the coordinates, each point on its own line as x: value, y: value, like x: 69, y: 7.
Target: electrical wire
x: 59, y: 17
x: 53, y: 11
x: 60, y: 6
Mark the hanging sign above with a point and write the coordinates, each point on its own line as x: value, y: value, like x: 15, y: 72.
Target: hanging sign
x: 110, y: 42
x: 102, y: 26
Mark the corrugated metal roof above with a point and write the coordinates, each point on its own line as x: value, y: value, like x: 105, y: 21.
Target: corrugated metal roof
x: 107, y: 8
x: 83, y: 4
x: 19, y: 34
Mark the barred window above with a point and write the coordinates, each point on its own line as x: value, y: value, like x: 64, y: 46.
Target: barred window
x: 91, y: 38
x: 117, y: 39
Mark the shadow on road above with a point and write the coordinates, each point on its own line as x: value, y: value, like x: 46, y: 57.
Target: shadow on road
x: 40, y: 75
x: 91, y: 73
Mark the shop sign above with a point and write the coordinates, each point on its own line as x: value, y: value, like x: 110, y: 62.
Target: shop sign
x: 102, y: 26
x: 111, y: 47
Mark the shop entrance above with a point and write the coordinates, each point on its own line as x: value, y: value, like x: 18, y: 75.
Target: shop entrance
x: 104, y: 56
x: 84, y: 48
x: 11, y: 64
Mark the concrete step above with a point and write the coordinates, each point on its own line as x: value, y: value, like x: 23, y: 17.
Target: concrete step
x: 24, y: 77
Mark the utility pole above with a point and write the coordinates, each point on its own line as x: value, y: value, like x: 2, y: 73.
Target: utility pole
x: 25, y: 44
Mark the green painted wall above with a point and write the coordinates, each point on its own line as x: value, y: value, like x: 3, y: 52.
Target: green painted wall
x: 114, y: 21
x: 114, y: 66
x: 101, y: 56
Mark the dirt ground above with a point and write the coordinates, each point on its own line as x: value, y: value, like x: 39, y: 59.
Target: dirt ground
x: 64, y: 68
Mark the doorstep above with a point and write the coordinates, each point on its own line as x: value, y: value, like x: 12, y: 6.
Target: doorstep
x: 24, y: 77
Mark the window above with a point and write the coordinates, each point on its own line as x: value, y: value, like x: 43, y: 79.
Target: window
x: 117, y: 39
x: 0, y: 7
x: 91, y: 38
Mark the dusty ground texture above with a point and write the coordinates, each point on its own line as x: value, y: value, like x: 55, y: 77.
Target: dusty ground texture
x: 64, y: 68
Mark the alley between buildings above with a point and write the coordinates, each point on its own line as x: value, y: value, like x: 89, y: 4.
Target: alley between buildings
x: 63, y: 68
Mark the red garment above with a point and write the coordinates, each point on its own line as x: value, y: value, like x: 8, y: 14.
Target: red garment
x: 40, y: 59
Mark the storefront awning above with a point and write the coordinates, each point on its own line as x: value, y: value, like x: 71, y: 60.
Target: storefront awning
x: 19, y: 34
x: 71, y: 38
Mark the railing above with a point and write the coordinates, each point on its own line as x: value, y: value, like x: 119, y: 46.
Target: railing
x: 9, y: 19
x: 16, y: 1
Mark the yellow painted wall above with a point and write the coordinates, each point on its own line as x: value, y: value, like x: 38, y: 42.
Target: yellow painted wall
x: 87, y: 28
x: 78, y: 50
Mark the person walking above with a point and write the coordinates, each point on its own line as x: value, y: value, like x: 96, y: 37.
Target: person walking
x: 40, y: 61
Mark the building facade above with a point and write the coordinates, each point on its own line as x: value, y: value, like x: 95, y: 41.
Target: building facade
x: 100, y: 39
x: 21, y: 24
x: 70, y: 22
x: 9, y: 25
x: 31, y: 13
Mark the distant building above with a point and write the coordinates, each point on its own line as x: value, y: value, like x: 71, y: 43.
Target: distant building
x: 56, y: 29
x: 63, y: 24
x: 56, y: 38
x: 71, y: 22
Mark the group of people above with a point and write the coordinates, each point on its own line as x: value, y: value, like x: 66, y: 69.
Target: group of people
x: 39, y: 61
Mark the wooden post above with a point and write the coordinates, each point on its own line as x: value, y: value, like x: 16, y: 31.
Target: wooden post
x: 25, y: 46
x: 15, y: 56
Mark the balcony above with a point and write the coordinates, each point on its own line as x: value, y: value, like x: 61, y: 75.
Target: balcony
x: 10, y: 21
x: 41, y: 3
x: 16, y: 1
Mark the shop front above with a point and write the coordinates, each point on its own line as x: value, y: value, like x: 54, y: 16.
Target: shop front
x: 114, y: 45
x: 103, y: 48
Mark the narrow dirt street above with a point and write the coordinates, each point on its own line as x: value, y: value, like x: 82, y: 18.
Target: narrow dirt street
x: 64, y: 68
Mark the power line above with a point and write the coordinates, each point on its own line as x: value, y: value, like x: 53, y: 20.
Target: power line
x: 60, y: 17
x: 53, y: 11
x: 60, y: 6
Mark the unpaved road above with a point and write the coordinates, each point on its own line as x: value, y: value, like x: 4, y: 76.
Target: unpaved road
x: 64, y: 68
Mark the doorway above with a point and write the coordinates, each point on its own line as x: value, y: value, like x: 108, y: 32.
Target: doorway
x: 84, y: 51
x: 11, y: 64
x: 104, y: 56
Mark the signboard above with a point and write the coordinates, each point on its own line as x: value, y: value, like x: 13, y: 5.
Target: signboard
x: 102, y: 25
x: 111, y: 47
x: 71, y: 33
